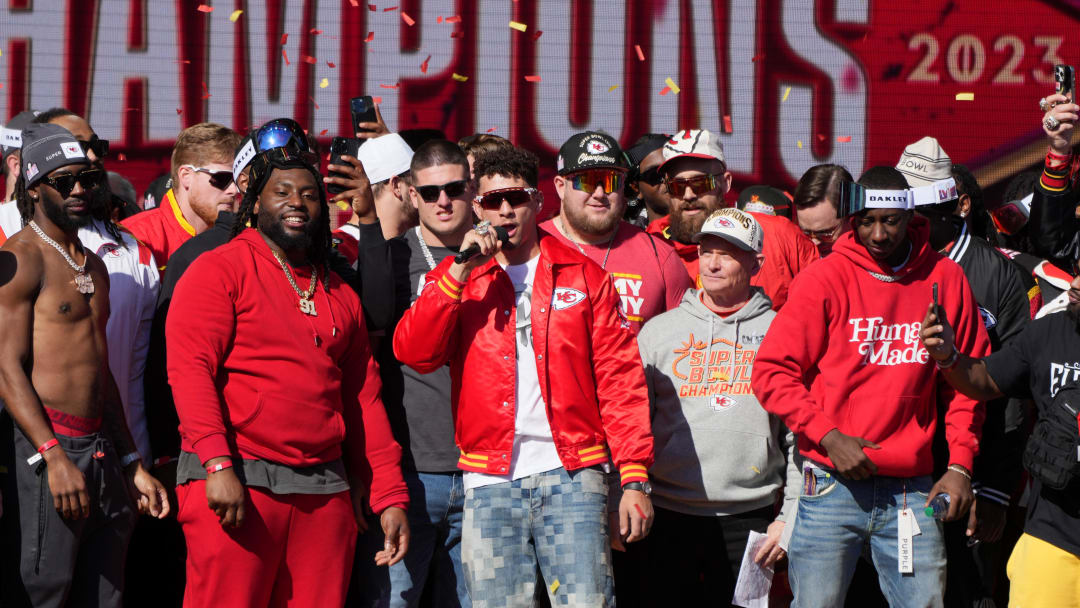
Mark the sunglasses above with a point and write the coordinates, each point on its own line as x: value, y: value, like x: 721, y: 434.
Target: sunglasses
x: 824, y: 236
x: 700, y: 184
x: 587, y: 181
x: 651, y: 177
x: 1011, y: 216
x: 64, y: 184
x: 454, y: 189
x: 218, y: 179
x: 100, y: 147
x: 493, y: 200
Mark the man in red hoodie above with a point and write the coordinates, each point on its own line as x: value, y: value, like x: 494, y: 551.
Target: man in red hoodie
x: 284, y: 436
x: 842, y: 365
x: 697, y: 180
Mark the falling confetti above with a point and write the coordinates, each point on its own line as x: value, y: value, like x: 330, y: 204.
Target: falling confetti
x: 390, y: 86
x: 316, y: 106
x: 371, y: 7
x: 671, y: 84
x: 314, y: 32
x: 665, y: 90
x: 459, y: 77
x: 492, y: 129
x: 640, y: 55
x: 454, y: 19
x: 121, y: 157
x: 965, y: 97
x: 843, y: 139
x: 424, y: 66
x: 532, y: 78
x: 388, y: 9
x: 353, y: 2
x: 537, y: 34
x: 286, y: 56
x: 284, y: 38
x: 343, y: 205
x: 727, y: 124
x: 407, y: 19
x: 519, y: 26
x: 439, y: 20
x: 757, y: 57
x: 331, y: 64
x: 325, y: 82
x: 309, y: 59
x: 787, y: 92
x: 612, y: 88
x: 554, y: 586
x: 323, y: 132
x: 377, y: 100
x: 457, y: 34
x: 799, y: 143
x: 206, y: 92
x: 820, y: 137
x: 370, y: 37
x: 203, y: 8
x: 179, y: 111
x: 235, y: 15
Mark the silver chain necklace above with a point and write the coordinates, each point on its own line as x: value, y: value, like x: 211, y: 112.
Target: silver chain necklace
x: 307, y: 305
x: 84, y: 283
x: 611, y: 241
x: 423, y: 247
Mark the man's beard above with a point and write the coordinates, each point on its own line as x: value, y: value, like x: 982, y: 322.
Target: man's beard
x: 275, y: 230
x: 588, y: 224
x: 59, y: 216
x: 683, y: 229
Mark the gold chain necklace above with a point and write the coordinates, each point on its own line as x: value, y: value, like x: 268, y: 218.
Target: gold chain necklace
x: 307, y: 305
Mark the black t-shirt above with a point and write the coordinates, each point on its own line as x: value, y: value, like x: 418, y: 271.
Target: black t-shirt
x: 1037, y: 364
x: 418, y: 405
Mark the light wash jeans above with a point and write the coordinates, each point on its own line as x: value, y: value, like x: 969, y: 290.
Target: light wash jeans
x: 550, y: 528
x: 842, y: 520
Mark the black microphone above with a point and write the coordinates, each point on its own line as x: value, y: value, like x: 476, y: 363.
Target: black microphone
x: 474, y: 250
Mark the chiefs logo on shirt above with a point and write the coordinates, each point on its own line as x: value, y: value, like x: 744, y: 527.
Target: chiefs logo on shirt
x: 565, y: 297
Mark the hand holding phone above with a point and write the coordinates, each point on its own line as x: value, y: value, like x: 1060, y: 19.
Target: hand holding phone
x: 341, y: 146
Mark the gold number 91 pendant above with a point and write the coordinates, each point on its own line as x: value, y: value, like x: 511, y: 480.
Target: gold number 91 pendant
x: 308, y: 307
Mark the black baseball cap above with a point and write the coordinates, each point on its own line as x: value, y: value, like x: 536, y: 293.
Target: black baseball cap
x: 591, y: 150
x: 754, y: 198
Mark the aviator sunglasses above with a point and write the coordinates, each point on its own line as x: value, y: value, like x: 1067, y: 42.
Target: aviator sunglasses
x: 700, y: 184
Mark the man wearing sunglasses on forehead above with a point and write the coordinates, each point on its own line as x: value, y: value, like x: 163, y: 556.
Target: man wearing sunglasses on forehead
x: 646, y: 271
x: 547, y: 383
x: 697, y: 179
x: 202, y: 186
x: 75, y: 475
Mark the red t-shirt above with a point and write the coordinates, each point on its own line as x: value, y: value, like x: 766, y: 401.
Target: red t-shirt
x: 163, y: 229
x: 647, y: 272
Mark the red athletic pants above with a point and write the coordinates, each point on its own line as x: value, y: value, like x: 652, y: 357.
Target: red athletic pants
x: 292, y: 550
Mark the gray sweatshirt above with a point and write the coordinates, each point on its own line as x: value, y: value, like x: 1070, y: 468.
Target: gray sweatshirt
x: 717, y: 451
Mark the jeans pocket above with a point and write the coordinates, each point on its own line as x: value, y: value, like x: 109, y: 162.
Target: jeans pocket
x: 817, y: 483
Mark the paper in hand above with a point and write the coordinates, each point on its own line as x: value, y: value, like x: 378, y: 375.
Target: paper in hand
x: 752, y: 587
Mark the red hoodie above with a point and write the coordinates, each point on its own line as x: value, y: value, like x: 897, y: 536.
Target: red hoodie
x: 254, y: 377
x: 787, y: 251
x: 845, y: 354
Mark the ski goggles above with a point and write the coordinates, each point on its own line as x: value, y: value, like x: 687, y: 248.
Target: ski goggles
x: 1011, y: 216
x: 855, y: 198
x: 279, y: 133
x: 587, y: 181
x: 454, y: 189
x: 89, y: 179
x: 516, y: 197
x: 700, y: 184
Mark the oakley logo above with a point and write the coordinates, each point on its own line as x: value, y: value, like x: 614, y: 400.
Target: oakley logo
x: 565, y: 297
x: 887, y: 199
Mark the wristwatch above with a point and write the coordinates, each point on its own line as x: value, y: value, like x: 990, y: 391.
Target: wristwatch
x: 640, y: 486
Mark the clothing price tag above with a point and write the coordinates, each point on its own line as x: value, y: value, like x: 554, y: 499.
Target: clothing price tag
x: 906, y: 528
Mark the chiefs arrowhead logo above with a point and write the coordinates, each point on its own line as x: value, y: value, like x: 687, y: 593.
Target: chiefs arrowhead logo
x: 719, y: 403
x: 565, y: 297
x: 597, y: 147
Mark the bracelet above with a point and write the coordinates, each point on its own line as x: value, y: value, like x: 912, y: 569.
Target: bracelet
x: 951, y: 361
x: 45, y: 447
x: 130, y: 458
x: 961, y: 470
x: 219, y: 467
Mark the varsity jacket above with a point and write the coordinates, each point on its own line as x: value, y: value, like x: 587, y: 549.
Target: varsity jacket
x: 1054, y: 228
x: 590, y: 373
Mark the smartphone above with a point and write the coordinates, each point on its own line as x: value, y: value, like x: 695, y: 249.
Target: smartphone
x: 1065, y: 81
x: 341, y: 146
x: 363, y: 110
x: 937, y: 309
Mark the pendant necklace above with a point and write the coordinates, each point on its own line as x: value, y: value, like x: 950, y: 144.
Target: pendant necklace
x: 307, y: 305
x: 84, y: 283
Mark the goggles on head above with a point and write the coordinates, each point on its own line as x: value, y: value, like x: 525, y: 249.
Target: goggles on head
x: 287, y: 157
x: 1010, y: 217
x: 855, y: 198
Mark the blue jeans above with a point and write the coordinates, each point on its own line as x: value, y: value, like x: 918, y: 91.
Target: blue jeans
x: 551, y: 524
x: 842, y: 520
x: 436, y: 501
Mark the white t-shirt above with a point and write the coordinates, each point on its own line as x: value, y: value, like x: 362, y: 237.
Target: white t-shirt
x: 534, y: 449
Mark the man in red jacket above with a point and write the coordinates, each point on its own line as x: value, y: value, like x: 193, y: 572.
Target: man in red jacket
x: 697, y: 180
x: 284, y: 436
x: 546, y: 378
x: 843, y: 367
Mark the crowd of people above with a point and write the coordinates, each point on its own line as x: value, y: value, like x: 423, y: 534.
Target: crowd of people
x: 214, y: 399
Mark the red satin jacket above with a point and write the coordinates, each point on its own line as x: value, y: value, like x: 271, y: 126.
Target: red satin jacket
x: 590, y: 372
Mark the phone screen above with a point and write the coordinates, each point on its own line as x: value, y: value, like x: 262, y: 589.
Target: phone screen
x: 1065, y: 81
x: 363, y: 110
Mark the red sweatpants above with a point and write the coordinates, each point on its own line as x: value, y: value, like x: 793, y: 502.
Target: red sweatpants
x: 292, y: 550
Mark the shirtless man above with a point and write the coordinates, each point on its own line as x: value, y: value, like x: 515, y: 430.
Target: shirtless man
x: 69, y: 438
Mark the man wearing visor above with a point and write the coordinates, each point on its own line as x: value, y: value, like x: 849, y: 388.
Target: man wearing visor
x: 202, y: 187
x: 843, y: 367
x: 285, y: 439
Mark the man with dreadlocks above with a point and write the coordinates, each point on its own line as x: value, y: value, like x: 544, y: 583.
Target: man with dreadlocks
x: 284, y: 436
x: 70, y: 448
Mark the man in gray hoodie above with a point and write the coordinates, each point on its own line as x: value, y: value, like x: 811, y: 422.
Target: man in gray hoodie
x: 721, y: 460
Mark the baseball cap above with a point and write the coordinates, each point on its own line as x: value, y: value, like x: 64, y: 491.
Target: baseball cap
x: 11, y: 134
x: 46, y: 148
x: 693, y: 143
x: 644, y: 146
x: 924, y: 162
x: 765, y: 199
x: 155, y: 192
x: 735, y: 226
x: 384, y: 157
x: 590, y: 150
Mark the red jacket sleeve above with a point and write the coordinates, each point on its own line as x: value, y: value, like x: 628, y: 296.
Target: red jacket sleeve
x: 620, y: 386
x: 963, y: 415
x: 370, y: 450
x: 426, y: 334
x: 198, y: 330
x: 794, y: 344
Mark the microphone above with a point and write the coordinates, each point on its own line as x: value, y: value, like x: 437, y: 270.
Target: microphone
x: 474, y: 250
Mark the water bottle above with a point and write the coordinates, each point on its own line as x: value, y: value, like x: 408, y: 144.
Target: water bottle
x: 939, y: 507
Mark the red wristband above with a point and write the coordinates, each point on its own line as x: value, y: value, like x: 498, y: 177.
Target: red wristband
x: 52, y: 443
x: 219, y: 466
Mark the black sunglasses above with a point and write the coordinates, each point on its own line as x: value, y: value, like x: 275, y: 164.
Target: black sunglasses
x: 100, y: 147
x: 515, y: 196
x: 651, y: 177
x: 453, y: 189
x: 64, y: 184
x: 218, y: 179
